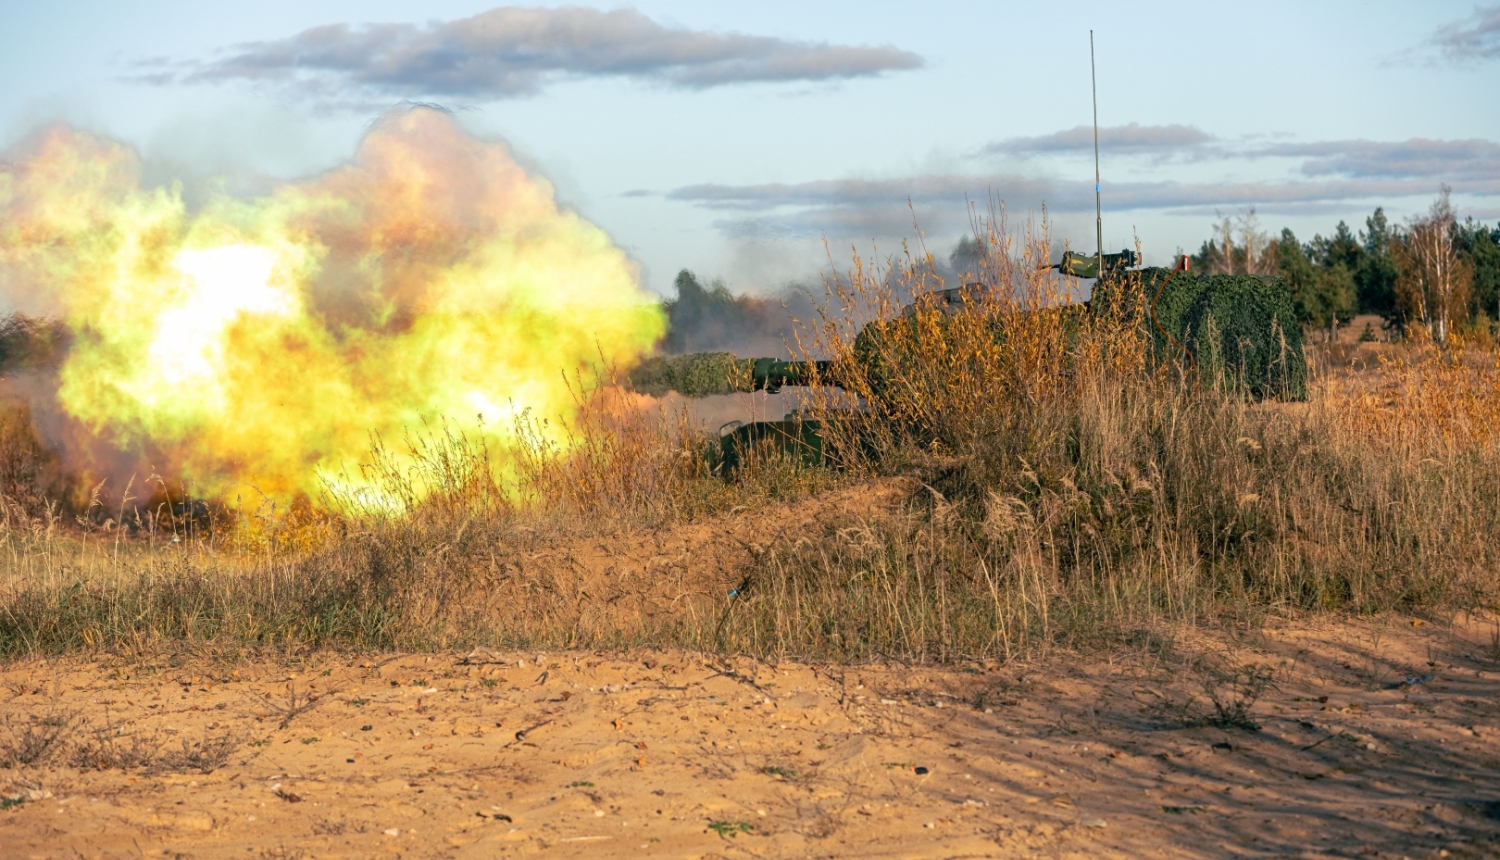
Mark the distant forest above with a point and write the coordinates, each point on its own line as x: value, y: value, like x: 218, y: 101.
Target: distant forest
x: 1433, y: 271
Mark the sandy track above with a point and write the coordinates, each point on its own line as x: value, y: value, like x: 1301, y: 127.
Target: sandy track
x: 686, y: 755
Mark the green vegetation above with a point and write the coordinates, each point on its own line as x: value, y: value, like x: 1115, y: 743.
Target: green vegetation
x: 730, y: 828
x: 1391, y: 270
x: 1239, y: 331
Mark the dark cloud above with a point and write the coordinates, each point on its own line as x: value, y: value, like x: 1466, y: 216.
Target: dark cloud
x: 514, y: 51
x: 1133, y: 138
x: 856, y: 192
x: 1271, y: 195
x: 1451, y: 161
x: 1476, y: 38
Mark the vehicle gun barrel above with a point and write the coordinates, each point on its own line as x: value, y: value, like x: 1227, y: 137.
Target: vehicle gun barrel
x: 703, y: 374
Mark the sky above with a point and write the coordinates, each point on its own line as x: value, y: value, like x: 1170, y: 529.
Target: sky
x: 741, y: 140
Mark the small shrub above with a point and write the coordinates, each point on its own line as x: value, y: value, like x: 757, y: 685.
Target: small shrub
x: 32, y: 741
x: 1230, y: 691
x: 1233, y: 691
x: 110, y: 749
x: 730, y: 828
x: 204, y: 756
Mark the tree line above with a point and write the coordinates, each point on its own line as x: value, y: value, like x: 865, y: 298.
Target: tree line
x: 1433, y: 271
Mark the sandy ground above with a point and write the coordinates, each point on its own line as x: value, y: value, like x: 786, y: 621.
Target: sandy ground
x: 1377, y: 738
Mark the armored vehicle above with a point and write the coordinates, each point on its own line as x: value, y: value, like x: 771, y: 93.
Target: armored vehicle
x: 1239, y: 332
x: 1233, y: 331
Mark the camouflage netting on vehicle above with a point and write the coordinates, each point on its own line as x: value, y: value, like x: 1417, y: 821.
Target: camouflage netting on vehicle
x: 698, y: 374
x: 1240, y: 331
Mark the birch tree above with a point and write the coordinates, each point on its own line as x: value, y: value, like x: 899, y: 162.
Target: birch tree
x: 1432, y: 287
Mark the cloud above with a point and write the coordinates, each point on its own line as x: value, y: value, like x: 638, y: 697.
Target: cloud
x: 1476, y: 38
x: 1452, y: 161
x: 1133, y: 138
x: 1326, y: 175
x: 853, y: 192
x: 855, y: 207
x: 513, y: 51
x: 1070, y: 195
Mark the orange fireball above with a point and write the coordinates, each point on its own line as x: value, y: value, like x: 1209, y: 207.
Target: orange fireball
x: 261, y: 342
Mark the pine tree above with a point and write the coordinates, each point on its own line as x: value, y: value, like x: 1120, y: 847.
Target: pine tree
x: 1375, y: 276
x: 1322, y: 295
x: 1342, y: 249
x: 1479, y: 246
x: 1207, y: 260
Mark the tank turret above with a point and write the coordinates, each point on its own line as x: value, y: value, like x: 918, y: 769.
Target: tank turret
x: 1087, y: 265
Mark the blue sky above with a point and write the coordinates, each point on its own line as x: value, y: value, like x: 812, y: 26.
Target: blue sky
x: 734, y: 138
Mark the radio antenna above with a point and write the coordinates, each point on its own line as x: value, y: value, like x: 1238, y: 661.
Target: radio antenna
x: 1098, y: 209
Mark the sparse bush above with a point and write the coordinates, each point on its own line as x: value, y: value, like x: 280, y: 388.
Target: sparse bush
x: 109, y: 748
x: 1233, y: 689
x: 204, y: 756
x: 31, y: 741
x: 1230, y: 691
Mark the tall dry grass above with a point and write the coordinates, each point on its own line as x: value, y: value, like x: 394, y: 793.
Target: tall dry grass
x: 1068, y: 488
x: 435, y: 547
x: 1075, y: 491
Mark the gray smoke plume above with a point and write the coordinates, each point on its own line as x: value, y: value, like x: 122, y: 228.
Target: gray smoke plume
x: 712, y: 319
x: 708, y: 317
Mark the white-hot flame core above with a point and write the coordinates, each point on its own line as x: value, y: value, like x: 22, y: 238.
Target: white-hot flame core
x: 219, y: 286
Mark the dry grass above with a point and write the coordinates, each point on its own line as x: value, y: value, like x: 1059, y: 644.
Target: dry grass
x: 1076, y: 493
x: 1071, y: 491
x: 438, y: 554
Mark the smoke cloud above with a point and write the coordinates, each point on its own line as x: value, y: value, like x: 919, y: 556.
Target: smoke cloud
x: 709, y: 318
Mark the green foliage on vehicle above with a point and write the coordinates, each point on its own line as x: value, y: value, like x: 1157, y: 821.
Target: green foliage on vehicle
x: 1238, y: 331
